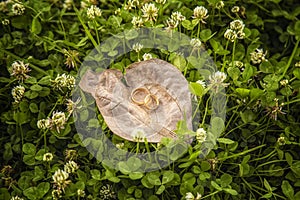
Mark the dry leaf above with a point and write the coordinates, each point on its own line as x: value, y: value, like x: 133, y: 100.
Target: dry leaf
x: 112, y: 91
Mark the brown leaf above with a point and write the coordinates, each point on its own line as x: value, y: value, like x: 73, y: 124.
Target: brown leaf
x: 112, y: 92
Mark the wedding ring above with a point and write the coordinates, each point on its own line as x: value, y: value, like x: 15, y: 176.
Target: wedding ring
x: 151, y: 102
x: 137, y: 95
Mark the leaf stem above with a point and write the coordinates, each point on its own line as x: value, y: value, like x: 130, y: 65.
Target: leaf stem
x: 85, y: 28
x: 242, y: 153
x: 211, y: 194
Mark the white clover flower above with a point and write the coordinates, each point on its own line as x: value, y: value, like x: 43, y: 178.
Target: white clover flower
x: 147, y: 56
x: 71, y: 167
x: 200, y: 13
x: 137, y: 22
x: 220, y: 5
x: 150, y: 12
x: 236, y: 30
x: 68, y: 4
x: 131, y: 4
x: 48, y: 157
x: 297, y: 64
x: 198, y: 197
x: 60, y: 178
x: 20, y: 70
x: 240, y: 34
x: 258, y: 56
x: 275, y: 110
x: 120, y: 145
x: 44, y: 124
x: 106, y: 192
x: 18, y: 9
x: 71, y: 154
x: 138, y: 135
x: 118, y: 11
x: 172, y: 24
x: 3, y: 6
x: 218, y: 77
x: 16, y: 198
x: 200, y: 135
x: 195, y: 43
x: 237, y: 25
x: 5, y: 22
x: 136, y: 2
x: 93, y: 12
x: 63, y: 81
x: 84, y: 4
x: 56, y: 194
x: 189, y: 196
x: 177, y: 16
x: 70, y: 82
x: 239, y: 64
x: 216, y: 81
x: 235, y: 9
x: 281, y: 141
x: 71, y: 58
x: 18, y: 93
x: 137, y: 47
x: 58, y: 120
x: 161, y: 1
x: 81, y: 193
x: 72, y: 106
x: 284, y: 82
x: 201, y: 82
x: 230, y: 35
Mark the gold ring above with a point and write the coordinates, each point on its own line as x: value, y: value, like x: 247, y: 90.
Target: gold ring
x: 136, y: 92
x: 149, y: 99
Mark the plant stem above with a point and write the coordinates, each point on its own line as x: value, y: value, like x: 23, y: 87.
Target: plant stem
x: 148, y: 150
x: 199, y: 27
x: 224, y: 57
x: 197, y: 108
x: 22, y: 134
x: 290, y: 60
x: 233, y: 52
x: 242, y: 153
x: 137, y: 147
x: 45, y: 139
x: 206, y: 110
x: 97, y: 33
x: 265, y: 157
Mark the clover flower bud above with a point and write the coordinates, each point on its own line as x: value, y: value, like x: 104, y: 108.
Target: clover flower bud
x: 48, y: 157
x: 18, y: 93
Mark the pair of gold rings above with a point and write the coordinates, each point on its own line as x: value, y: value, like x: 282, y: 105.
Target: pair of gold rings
x: 142, y: 97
